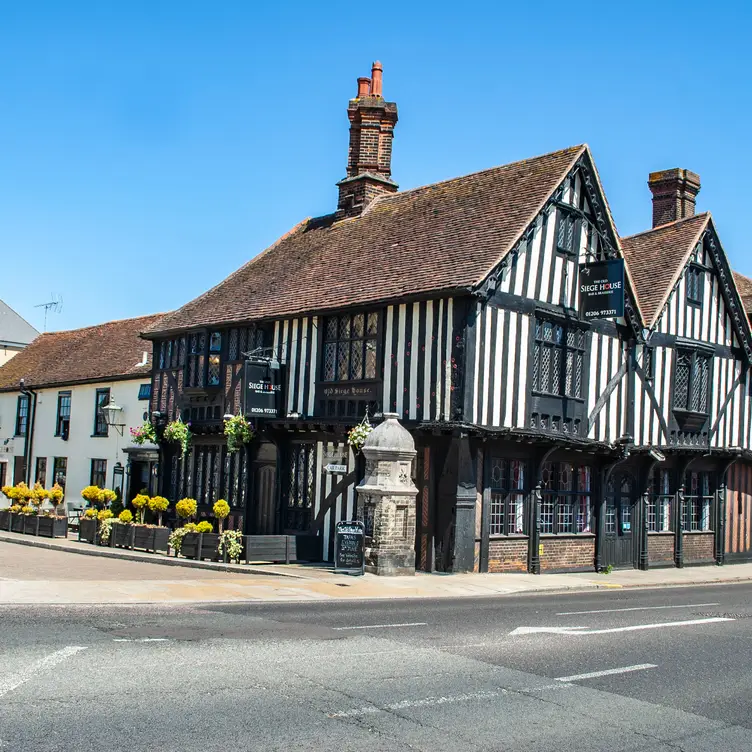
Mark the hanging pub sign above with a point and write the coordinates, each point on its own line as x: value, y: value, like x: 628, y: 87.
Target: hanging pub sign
x: 602, y: 289
x: 263, y: 388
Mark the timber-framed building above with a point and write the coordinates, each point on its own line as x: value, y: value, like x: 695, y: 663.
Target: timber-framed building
x: 545, y: 442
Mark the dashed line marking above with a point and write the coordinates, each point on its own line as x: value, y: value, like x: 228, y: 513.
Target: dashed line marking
x: 16, y: 680
x: 383, y: 626
x: 606, y: 672
x: 633, y: 608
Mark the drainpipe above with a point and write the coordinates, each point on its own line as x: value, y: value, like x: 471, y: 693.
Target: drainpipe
x: 29, y: 440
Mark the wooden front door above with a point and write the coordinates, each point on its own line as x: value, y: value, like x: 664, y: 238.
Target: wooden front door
x: 263, y: 517
x: 620, y: 522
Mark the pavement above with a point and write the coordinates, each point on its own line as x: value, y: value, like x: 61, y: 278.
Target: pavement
x: 622, y: 670
x: 54, y: 572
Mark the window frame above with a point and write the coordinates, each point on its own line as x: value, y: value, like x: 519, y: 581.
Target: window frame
x: 559, y: 498
x: 101, y: 429
x: 540, y: 321
x: 56, y: 470
x: 698, y: 506
x: 300, y: 457
x: 60, y: 418
x: 22, y: 416
x: 98, y: 470
x: 40, y: 477
x: 660, y: 507
x: 350, y: 340
x: 500, y: 519
x: 565, y: 216
x: 694, y: 273
x: 687, y: 412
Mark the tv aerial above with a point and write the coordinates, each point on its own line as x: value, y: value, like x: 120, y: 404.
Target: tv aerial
x: 54, y: 305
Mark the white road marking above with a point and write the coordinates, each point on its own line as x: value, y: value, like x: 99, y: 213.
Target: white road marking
x: 633, y: 608
x: 16, y: 680
x: 633, y: 628
x: 606, y: 672
x: 140, y: 639
x: 445, y: 700
x: 384, y: 626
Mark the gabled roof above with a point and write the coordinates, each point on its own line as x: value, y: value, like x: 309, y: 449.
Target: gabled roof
x: 744, y: 286
x: 656, y: 258
x: 97, y: 353
x: 439, y: 238
x: 14, y: 330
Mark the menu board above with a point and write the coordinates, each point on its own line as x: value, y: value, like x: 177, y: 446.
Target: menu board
x: 349, y: 547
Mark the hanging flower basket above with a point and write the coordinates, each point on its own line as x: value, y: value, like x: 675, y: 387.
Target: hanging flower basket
x: 144, y: 434
x: 239, y: 432
x: 357, y: 436
x: 177, y: 432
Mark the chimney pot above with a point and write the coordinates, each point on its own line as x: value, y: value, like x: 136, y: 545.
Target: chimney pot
x: 376, y: 79
x: 364, y: 87
x: 674, y: 194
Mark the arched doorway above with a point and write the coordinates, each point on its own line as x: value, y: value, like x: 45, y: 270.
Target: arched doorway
x: 619, y: 524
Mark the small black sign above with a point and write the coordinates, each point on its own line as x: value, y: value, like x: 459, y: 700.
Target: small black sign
x: 602, y: 289
x: 349, y: 547
x: 263, y: 388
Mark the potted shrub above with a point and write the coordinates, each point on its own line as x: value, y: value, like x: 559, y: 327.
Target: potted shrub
x: 122, y: 532
x: 16, y: 518
x: 8, y: 492
x: 153, y: 537
x: 87, y: 526
x: 139, y: 504
x: 221, y: 510
x: 56, y: 496
x: 201, y: 543
x: 29, y: 514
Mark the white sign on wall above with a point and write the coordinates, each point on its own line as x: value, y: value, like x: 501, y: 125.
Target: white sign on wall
x: 6, y: 446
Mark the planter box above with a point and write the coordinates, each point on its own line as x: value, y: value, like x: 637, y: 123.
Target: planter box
x: 151, y: 538
x: 4, y: 519
x: 190, y: 546
x: 17, y: 523
x: 87, y: 530
x: 53, y: 527
x: 121, y: 535
x: 30, y: 525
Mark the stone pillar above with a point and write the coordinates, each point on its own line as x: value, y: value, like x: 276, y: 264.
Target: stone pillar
x: 386, y: 499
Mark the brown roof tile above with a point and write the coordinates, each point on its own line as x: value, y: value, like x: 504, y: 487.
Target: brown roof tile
x: 106, y: 351
x: 655, y: 259
x: 744, y: 286
x: 441, y: 237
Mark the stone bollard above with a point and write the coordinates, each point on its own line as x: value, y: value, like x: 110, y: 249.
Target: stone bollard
x: 386, y: 499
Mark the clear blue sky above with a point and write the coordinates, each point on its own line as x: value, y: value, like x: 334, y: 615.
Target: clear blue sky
x: 148, y: 149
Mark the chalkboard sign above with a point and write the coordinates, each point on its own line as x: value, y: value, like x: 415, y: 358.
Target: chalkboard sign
x: 349, y: 549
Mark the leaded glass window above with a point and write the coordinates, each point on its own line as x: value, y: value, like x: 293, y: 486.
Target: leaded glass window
x: 565, y: 504
x: 697, y: 502
x: 659, y: 504
x: 692, y: 381
x: 558, y: 359
x: 507, y: 482
x: 565, y: 233
x: 695, y: 280
x: 349, y: 352
x: 300, y: 486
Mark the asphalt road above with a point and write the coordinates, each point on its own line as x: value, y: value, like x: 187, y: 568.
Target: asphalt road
x: 404, y: 675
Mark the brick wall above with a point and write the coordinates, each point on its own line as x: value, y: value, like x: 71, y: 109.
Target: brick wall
x: 660, y: 547
x: 698, y: 547
x: 568, y: 552
x: 507, y: 555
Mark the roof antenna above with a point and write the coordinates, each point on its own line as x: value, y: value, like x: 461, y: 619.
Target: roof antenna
x: 55, y: 304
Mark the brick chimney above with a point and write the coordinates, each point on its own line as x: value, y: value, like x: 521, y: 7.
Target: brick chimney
x: 369, y: 162
x: 674, y: 193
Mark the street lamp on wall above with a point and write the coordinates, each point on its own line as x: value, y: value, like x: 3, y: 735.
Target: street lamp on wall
x: 113, y: 414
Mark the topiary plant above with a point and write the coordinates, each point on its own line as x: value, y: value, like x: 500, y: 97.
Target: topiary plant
x: 105, y: 514
x: 92, y: 494
x: 126, y: 517
x: 204, y: 527
x: 221, y: 510
x: 139, y: 502
x: 159, y: 505
x: 107, y: 496
x: 186, y: 508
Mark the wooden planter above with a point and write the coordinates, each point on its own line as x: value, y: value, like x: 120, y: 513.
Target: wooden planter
x: 30, y: 524
x: 121, y: 535
x: 209, y: 543
x: 4, y: 519
x: 87, y: 530
x: 53, y: 527
x: 17, y: 523
x: 151, y: 538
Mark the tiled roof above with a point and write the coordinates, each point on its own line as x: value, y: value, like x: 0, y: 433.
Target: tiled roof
x: 442, y: 237
x: 14, y: 330
x: 655, y: 259
x: 744, y: 286
x: 96, y: 353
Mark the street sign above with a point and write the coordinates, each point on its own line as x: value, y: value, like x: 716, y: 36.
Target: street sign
x: 349, y: 547
x: 602, y: 289
x: 263, y: 388
x: 333, y: 469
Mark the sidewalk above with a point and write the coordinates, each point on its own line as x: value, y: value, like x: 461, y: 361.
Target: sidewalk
x: 48, y: 572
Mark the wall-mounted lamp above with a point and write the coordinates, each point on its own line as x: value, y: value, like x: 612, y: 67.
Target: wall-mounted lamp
x: 112, y: 414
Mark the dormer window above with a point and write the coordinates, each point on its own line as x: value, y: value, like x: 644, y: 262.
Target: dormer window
x: 695, y: 280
